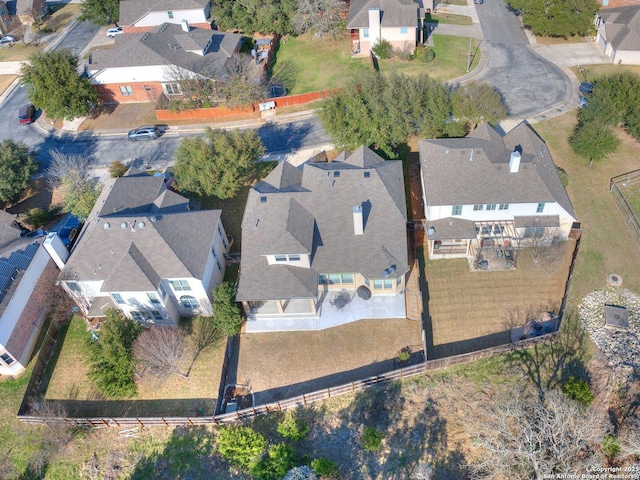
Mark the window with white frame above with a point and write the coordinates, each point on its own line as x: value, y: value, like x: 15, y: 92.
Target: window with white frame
x: 118, y: 298
x: 213, y: 250
x: 156, y: 315
x: 478, y: 207
x: 180, y: 285
x: 172, y: 88
x: 73, y: 286
x: 280, y: 258
x: 456, y: 210
x: 365, y: 33
x: 162, y: 291
x: 404, y: 29
x: 491, y: 206
x: 540, y: 208
x: 504, y: 206
x: 137, y: 316
x: 153, y: 298
x: 7, y: 359
x: 170, y: 14
x: 188, y: 301
x: 218, y: 264
x: 126, y: 90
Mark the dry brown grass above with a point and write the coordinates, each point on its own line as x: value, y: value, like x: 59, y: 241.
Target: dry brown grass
x: 606, y: 246
x: 560, y: 40
x: 592, y: 72
x: 176, y: 396
x: 321, y: 359
x: 474, y: 310
x: 125, y: 115
x: 5, y: 81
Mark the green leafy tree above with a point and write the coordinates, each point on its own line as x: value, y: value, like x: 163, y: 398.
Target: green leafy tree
x: 557, y: 18
x: 226, y: 314
x: 293, y: 427
x: 80, y: 195
x: 110, y: 357
x: 17, y: 165
x: 593, y: 141
x: 117, y: 169
x: 218, y: 164
x: 241, y: 446
x: 324, y: 467
x: 382, y: 112
x: 477, y: 102
x: 255, y: 15
x: 55, y: 85
x: 276, y: 464
x: 383, y: 49
x: 100, y: 12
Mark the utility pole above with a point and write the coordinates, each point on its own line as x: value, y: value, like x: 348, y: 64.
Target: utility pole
x: 469, y: 55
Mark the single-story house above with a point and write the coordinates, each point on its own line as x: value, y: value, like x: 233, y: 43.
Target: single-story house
x: 489, y: 190
x: 324, y: 244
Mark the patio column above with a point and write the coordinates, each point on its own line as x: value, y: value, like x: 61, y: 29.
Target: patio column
x: 280, y: 307
x: 246, y: 307
x: 313, y: 305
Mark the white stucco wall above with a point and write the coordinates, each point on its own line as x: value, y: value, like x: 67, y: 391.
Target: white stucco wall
x: 153, y: 73
x: 626, y: 57
x: 213, y: 275
x: 515, y: 209
x: 139, y: 301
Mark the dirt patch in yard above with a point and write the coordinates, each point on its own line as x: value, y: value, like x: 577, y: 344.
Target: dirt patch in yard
x: 126, y: 115
x: 280, y: 365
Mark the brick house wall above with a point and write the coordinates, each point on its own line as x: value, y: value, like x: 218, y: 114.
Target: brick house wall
x: 140, y: 92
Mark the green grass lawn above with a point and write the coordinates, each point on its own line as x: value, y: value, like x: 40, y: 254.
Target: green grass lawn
x: 307, y: 65
x: 631, y: 194
x: 448, y: 18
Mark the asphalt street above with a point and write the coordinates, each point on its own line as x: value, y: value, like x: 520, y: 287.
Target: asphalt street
x: 278, y: 138
x: 528, y: 83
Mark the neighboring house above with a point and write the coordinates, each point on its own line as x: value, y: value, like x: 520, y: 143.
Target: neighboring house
x: 5, y: 19
x: 28, y: 11
x: 312, y: 237
x: 619, y: 33
x: 27, y: 273
x: 369, y: 21
x: 488, y: 190
x: 144, y: 251
x: 144, y: 66
x: 144, y: 15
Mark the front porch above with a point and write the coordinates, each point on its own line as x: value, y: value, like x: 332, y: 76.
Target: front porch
x: 335, y: 307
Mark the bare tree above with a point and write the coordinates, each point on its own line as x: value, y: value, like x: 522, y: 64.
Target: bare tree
x: 194, y: 87
x: 530, y: 437
x: 57, y: 434
x: 69, y: 169
x: 320, y: 17
x: 240, y: 81
x: 159, y: 351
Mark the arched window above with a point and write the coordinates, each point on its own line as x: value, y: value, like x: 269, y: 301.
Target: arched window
x: 189, y: 302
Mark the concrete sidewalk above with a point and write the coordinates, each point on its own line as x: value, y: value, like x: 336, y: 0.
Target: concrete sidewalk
x: 11, y: 68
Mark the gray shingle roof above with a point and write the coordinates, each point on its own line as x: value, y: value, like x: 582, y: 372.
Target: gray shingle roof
x: 141, y: 242
x: 622, y: 27
x: 132, y: 10
x: 394, y: 13
x: 169, y: 45
x: 452, y: 227
x: 322, y: 203
x: 475, y: 169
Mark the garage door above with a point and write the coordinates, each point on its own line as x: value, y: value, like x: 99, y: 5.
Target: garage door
x: 601, y: 42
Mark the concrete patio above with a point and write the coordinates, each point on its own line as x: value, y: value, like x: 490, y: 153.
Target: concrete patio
x: 331, y: 313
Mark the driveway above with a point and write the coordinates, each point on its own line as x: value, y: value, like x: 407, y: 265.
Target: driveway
x: 528, y: 83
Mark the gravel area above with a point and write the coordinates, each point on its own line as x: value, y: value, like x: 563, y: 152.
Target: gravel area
x: 621, y: 348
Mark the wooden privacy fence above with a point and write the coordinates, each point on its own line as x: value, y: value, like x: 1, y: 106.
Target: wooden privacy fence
x: 299, y: 401
x: 625, y: 180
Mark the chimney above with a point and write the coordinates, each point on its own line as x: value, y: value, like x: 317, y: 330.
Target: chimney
x: 514, y: 162
x: 374, y: 25
x: 56, y: 249
x: 358, y: 223
x: 185, y: 25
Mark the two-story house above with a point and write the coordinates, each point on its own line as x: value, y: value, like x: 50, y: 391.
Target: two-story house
x: 144, y: 15
x: 619, y: 33
x: 144, y: 251
x: 370, y: 21
x: 487, y: 189
x: 142, y: 67
x: 325, y: 228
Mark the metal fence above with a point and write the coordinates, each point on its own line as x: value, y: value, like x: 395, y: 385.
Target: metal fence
x: 616, y: 187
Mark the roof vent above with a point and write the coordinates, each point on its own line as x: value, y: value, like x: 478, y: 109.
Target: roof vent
x: 263, y: 199
x: 141, y: 225
x: 367, y: 174
x: 123, y: 225
x: 336, y: 174
x: 106, y: 226
x: 154, y: 219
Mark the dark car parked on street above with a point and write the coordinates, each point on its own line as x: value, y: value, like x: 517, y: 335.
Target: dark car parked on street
x: 586, y: 87
x: 26, y: 114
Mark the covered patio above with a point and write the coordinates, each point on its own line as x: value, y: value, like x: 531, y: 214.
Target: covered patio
x: 335, y: 307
